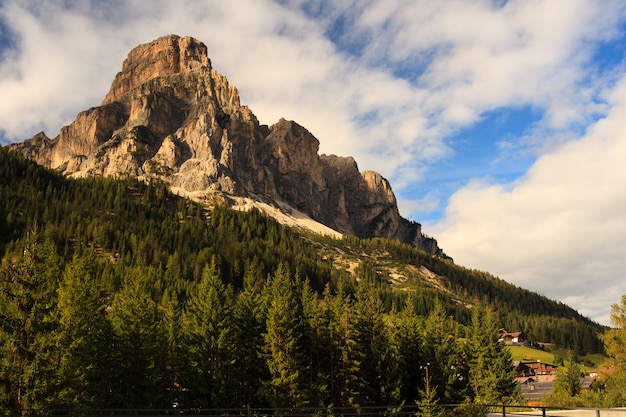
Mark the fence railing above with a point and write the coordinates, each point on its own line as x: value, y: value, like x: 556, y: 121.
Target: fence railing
x: 444, y: 410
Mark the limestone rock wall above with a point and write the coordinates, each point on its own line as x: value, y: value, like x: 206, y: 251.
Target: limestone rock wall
x: 169, y: 115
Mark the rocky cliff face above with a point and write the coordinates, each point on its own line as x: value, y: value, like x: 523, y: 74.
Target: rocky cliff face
x: 169, y: 115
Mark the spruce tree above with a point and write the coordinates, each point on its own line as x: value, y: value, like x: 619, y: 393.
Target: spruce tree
x: 376, y: 379
x: 492, y: 374
x: 28, y: 303
x: 85, y: 339
x: 317, y: 315
x: 407, y: 337
x: 249, y: 367
x: 178, y: 361
x: 446, y: 353
x: 207, y: 325
x: 568, y: 379
x: 141, y: 348
x: 284, y: 344
x: 345, y: 360
x: 428, y: 402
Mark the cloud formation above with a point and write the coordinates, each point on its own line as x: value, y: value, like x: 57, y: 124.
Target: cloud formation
x: 392, y: 83
x: 559, y: 230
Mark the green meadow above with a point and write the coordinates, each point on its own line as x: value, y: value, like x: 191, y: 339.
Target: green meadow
x: 524, y: 353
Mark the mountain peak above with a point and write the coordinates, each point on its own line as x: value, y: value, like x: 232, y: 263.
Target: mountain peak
x: 164, y: 56
x: 170, y: 116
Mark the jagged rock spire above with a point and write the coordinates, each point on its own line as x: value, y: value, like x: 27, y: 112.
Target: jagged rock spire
x: 162, y: 57
x: 169, y: 115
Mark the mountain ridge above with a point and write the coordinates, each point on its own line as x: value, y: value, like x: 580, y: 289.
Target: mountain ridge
x: 170, y: 116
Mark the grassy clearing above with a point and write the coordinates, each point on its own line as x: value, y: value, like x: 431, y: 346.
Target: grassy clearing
x: 523, y: 353
x: 527, y: 354
x: 596, y: 358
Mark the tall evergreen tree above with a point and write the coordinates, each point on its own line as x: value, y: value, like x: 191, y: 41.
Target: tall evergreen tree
x: 376, y: 377
x: 614, y: 341
x: 345, y: 360
x: 615, y: 338
x: 428, y: 402
x: 178, y: 361
x: 568, y: 379
x: 446, y: 354
x: 407, y: 336
x: 28, y: 302
x: 284, y: 344
x: 207, y: 325
x: 318, y: 313
x: 141, y: 348
x: 249, y: 368
x: 85, y: 339
x: 491, y: 372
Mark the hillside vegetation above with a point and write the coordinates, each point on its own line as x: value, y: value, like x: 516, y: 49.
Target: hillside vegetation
x: 145, y: 225
x: 116, y: 293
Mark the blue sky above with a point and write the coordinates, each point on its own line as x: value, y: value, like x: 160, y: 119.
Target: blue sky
x: 498, y: 123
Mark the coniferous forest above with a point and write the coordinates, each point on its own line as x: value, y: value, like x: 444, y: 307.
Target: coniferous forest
x: 118, y: 294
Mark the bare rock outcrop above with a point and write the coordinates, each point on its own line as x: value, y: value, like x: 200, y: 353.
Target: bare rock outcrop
x: 165, y: 56
x: 169, y: 115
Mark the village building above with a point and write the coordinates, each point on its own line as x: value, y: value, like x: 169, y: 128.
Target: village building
x: 512, y: 338
x: 535, y: 378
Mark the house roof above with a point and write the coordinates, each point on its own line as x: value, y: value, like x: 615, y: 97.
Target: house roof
x: 512, y: 334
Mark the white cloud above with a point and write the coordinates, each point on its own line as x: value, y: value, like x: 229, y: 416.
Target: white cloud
x: 484, y: 56
x: 561, y: 229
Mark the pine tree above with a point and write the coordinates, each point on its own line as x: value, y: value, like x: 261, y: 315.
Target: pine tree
x: 491, y: 372
x: 344, y: 358
x: 376, y: 379
x: 141, y: 348
x: 207, y: 325
x: 568, y: 380
x: 249, y: 368
x: 28, y: 302
x: 446, y: 353
x: 85, y: 339
x: 407, y: 336
x: 284, y: 344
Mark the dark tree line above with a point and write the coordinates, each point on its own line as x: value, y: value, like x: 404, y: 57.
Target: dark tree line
x: 115, y: 293
x: 68, y: 342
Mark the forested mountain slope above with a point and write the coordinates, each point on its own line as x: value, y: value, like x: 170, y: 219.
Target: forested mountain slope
x: 129, y: 222
x: 116, y: 286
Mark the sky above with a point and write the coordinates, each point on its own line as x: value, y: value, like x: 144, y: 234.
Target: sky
x: 501, y: 125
